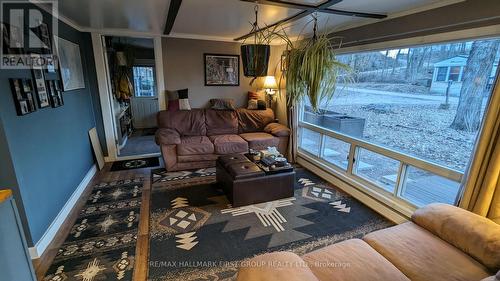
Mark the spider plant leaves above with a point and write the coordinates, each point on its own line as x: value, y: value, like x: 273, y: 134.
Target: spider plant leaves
x: 313, y: 71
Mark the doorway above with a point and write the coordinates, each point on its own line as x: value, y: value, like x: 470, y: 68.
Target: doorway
x: 134, y: 95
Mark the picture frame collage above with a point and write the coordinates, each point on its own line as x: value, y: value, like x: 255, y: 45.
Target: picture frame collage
x: 22, y: 90
x: 45, y: 88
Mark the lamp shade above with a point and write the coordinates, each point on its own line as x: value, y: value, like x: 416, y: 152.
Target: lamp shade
x: 270, y: 83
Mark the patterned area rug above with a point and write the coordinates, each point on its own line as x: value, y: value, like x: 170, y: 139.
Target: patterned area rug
x: 196, y: 235
x: 102, y: 242
x: 135, y: 164
x: 162, y: 179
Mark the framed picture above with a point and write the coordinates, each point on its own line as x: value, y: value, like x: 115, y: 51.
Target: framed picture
x: 70, y: 64
x: 283, y: 63
x: 222, y: 70
x: 55, y: 96
x: 40, y: 87
x: 58, y: 85
x: 22, y: 92
x: 284, y: 60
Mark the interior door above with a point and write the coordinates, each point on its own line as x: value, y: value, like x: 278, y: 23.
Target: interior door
x: 145, y: 100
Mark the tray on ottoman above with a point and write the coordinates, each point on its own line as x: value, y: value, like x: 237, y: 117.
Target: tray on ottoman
x: 245, y: 183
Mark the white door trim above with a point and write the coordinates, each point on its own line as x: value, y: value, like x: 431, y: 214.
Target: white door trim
x: 105, y: 91
x: 160, y: 79
x: 104, y: 96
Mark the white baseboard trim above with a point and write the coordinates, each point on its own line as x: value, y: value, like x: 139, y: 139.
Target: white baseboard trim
x: 48, y: 236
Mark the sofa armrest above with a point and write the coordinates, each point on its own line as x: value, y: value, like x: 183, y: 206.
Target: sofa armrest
x: 475, y: 235
x: 277, y: 130
x: 167, y: 136
x: 277, y: 266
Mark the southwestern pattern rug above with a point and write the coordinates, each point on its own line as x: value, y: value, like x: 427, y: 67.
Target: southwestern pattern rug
x: 135, y: 164
x: 196, y: 235
x: 101, y: 244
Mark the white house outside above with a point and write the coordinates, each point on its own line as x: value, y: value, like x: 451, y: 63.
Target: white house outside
x: 449, y: 72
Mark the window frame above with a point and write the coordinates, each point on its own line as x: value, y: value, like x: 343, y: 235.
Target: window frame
x: 445, y: 75
x: 155, y: 91
x: 390, y: 199
x: 458, y: 75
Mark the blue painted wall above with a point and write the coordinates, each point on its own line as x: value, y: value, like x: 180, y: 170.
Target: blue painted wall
x: 50, y: 149
x: 8, y: 178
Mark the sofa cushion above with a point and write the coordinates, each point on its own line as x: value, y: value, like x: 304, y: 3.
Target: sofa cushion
x: 221, y: 122
x: 195, y: 145
x: 196, y: 158
x: 222, y: 104
x: 229, y: 144
x: 186, y: 122
x: 167, y: 136
x: 277, y: 129
x: 259, y: 141
x: 253, y: 120
x: 351, y: 260
x: 275, y: 266
x: 471, y: 233
x: 422, y: 256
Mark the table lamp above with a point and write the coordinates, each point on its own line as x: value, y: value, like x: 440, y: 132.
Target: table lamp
x: 270, y: 86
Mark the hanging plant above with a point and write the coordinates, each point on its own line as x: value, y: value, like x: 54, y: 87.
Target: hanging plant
x: 312, y: 70
x: 255, y: 57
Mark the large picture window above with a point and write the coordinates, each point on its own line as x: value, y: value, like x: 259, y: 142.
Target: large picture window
x: 410, y: 119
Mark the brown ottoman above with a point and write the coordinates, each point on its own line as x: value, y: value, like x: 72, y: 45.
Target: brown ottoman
x: 245, y: 183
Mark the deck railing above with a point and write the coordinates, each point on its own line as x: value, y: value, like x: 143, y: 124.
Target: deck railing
x: 406, y: 161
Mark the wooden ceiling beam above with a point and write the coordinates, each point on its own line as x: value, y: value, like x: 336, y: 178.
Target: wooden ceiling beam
x: 283, y: 21
x: 284, y: 4
x: 307, y: 10
x: 173, y: 10
x: 352, y: 14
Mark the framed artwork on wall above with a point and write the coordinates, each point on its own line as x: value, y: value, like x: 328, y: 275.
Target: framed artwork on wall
x: 22, y: 92
x: 55, y: 95
x: 284, y: 61
x: 70, y: 64
x: 40, y: 88
x: 222, y: 70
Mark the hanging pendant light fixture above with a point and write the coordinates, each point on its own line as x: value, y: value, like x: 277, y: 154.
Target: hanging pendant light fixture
x: 255, y: 56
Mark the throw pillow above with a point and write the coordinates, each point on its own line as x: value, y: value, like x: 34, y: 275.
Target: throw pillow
x: 255, y: 101
x: 222, y: 104
x: 253, y: 95
x: 178, y: 100
x: 261, y: 105
x: 253, y: 104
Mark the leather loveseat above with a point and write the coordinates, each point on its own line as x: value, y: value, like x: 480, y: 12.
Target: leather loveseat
x: 194, y: 139
x: 441, y: 242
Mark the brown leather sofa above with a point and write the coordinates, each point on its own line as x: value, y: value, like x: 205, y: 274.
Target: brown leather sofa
x: 193, y: 139
x: 441, y: 242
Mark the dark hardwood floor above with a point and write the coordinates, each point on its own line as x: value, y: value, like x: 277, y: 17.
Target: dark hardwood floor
x: 142, y: 251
